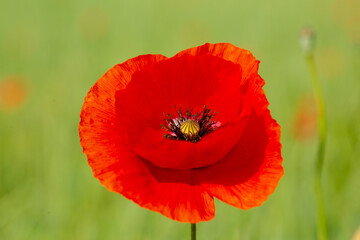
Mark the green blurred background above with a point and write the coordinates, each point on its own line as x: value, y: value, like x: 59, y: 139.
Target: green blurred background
x: 52, y: 52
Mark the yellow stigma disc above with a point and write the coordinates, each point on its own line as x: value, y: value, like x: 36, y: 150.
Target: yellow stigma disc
x: 190, y: 128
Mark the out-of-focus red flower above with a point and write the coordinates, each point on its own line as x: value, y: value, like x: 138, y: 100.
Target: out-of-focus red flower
x: 12, y: 93
x: 172, y: 133
x: 305, y: 122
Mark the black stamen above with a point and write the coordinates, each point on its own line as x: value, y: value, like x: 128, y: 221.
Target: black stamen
x: 205, y: 119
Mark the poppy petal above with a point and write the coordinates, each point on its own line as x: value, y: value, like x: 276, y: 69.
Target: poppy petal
x: 176, y: 194
x: 228, y: 52
x: 98, y: 115
x: 242, y: 57
x: 251, y: 171
x: 98, y: 110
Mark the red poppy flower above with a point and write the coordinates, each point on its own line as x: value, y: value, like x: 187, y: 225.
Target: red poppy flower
x: 172, y: 133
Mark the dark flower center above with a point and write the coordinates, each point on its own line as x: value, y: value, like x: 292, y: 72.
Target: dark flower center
x: 189, y: 127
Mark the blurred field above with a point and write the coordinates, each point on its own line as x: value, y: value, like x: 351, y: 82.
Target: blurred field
x: 56, y: 50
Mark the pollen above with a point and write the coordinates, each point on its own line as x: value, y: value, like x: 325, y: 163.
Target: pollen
x: 190, y: 128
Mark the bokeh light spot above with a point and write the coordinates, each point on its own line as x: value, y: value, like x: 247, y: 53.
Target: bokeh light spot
x: 13, y: 93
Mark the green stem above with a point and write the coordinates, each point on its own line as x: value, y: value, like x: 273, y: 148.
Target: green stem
x: 193, y: 231
x: 321, y: 215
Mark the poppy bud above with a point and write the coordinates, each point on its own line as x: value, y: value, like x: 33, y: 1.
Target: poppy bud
x: 307, y: 39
